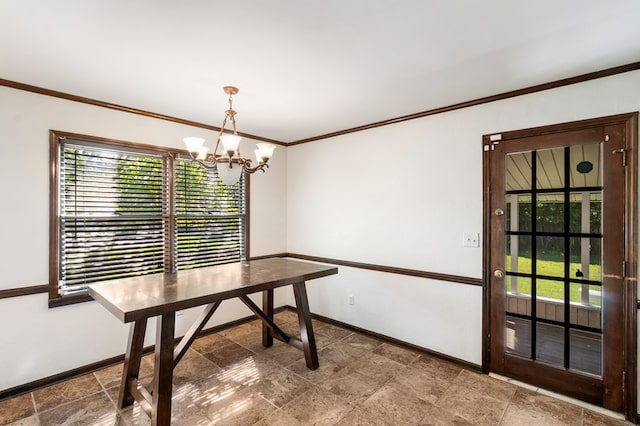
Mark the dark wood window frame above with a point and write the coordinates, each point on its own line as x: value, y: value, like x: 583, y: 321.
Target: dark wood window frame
x: 171, y: 156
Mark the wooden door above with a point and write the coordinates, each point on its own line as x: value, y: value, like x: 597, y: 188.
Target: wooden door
x: 560, y: 246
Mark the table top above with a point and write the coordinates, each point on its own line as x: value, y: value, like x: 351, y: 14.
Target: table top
x: 131, y: 299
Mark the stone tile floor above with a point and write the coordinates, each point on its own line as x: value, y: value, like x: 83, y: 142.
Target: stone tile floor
x: 229, y: 378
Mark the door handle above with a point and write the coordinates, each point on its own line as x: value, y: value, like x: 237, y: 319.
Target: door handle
x: 498, y: 273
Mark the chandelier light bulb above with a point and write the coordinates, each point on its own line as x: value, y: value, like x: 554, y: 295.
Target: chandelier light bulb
x: 202, y: 153
x: 230, y: 143
x: 193, y: 144
x: 266, y: 149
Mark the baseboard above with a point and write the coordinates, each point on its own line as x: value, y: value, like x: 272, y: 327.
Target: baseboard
x: 89, y: 368
x: 465, y: 364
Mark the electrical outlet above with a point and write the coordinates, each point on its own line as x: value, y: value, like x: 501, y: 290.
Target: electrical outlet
x: 471, y: 239
x: 352, y: 299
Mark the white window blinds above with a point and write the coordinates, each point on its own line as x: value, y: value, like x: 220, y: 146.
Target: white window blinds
x: 127, y: 212
x: 210, y: 217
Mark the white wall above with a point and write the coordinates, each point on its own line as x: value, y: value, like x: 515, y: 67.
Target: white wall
x: 399, y: 195
x: 36, y: 341
x: 402, y: 195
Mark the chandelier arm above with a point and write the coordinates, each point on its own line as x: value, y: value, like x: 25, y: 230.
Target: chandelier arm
x: 261, y: 167
x: 207, y: 165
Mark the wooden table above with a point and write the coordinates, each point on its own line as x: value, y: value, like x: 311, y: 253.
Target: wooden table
x: 162, y: 295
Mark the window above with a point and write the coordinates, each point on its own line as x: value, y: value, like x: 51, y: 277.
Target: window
x: 121, y: 209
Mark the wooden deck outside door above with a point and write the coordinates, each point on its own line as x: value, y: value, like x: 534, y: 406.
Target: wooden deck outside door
x: 560, y: 259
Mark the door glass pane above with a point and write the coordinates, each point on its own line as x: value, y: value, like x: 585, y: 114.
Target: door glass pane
x: 518, y: 171
x: 589, y: 295
x: 550, y: 300
x: 595, y: 296
x: 550, y: 256
x: 518, y: 253
x: 586, y: 352
x: 550, y: 168
x: 518, y: 329
x: 586, y: 212
x: 586, y: 258
x: 550, y: 213
x: 586, y: 165
x: 587, y: 313
x: 550, y: 343
x: 518, y: 336
x: 518, y: 295
x: 518, y: 214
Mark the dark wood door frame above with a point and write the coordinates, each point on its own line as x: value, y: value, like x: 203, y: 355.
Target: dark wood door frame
x: 630, y: 122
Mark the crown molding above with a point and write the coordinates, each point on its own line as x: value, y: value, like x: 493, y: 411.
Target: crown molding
x: 506, y: 95
x: 103, y: 104
x: 634, y: 66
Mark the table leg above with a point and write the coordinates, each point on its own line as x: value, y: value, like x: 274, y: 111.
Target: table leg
x: 267, y: 308
x: 132, y: 359
x: 306, y: 330
x: 163, y: 370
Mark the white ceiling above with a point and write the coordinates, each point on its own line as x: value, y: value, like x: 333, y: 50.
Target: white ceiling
x: 306, y: 68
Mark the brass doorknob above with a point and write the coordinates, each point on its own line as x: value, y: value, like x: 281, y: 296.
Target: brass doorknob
x: 498, y: 273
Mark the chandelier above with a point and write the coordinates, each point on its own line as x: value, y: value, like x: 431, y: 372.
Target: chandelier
x: 229, y: 163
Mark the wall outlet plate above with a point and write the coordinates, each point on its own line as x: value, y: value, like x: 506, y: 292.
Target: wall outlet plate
x: 471, y: 239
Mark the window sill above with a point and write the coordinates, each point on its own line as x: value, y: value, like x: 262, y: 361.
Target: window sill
x: 69, y: 300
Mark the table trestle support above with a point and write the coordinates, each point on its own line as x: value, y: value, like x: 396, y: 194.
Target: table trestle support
x: 276, y: 331
x: 193, y: 332
x: 141, y: 395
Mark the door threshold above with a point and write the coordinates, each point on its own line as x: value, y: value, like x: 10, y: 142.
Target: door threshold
x: 579, y: 403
